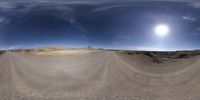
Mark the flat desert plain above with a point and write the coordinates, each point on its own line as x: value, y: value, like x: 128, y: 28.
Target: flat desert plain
x: 100, y: 75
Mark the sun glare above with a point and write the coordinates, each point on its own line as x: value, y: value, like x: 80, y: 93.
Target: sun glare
x: 161, y: 30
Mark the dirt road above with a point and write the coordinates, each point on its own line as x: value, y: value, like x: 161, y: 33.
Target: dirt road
x: 102, y: 75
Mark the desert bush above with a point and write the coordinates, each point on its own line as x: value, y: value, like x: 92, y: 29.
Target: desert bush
x: 137, y: 53
x: 195, y: 53
x: 1, y: 52
x: 129, y: 53
x: 150, y: 54
x: 182, y: 55
x: 28, y: 50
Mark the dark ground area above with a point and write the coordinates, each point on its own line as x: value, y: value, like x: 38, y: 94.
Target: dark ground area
x: 159, y: 57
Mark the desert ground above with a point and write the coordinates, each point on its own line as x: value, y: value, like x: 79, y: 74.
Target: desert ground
x: 99, y: 75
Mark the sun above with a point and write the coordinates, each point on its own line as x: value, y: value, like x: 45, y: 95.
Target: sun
x: 161, y: 30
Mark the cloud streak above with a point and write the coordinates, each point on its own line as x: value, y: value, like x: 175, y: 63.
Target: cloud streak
x: 124, y: 37
x: 2, y: 19
x: 189, y: 18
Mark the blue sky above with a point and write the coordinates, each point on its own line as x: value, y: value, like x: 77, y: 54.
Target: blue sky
x: 117, y: 25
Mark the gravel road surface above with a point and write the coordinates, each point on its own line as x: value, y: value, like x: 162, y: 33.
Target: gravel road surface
x: 104, y: 75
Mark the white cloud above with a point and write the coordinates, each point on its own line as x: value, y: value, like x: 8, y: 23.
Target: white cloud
x: 124, y: 37
x: 7, y: 6
x: 189, y: 18
x: 196, y: 4
x: 108, y: 7
x: 2, y: 19
x: 198, y: 29
x: 196, y: 34
x: 193, y: 3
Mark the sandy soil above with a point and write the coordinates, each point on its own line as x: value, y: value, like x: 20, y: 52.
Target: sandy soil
x: 60, y: 52
x: 104, y: 75
x: 56, y: 51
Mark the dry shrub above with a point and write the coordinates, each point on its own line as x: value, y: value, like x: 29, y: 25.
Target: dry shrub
x: 2, y: 52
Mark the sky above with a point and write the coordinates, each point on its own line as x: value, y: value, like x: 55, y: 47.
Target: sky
x: 129, y: 25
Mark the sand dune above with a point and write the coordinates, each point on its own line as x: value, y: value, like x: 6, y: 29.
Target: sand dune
x: 102, y: 75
